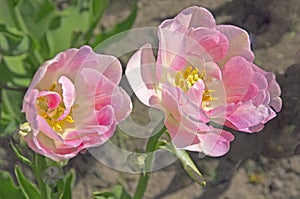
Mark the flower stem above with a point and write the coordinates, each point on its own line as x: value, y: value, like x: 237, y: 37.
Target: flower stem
x: 39, y: 165
x: 144, y: 177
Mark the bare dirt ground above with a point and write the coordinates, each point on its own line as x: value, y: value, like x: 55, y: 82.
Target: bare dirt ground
x: 264, y: 165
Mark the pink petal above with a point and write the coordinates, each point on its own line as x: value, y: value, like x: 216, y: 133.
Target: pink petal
x: 260, y: 80
x: 177, y: 55
x: 105, y: 116
x: 182, y: 137
x: 172, y: 54
x: 67, y: 62
x: 248, y: 115
x: 94, y: 88
x: 275, y: 91
x: 53, y: 98
x: 68, y: 95
x: 273, y: 88
x: 239, y: 43
x: 215, y: 43
x: 72, y: 60
x: 29, y: 107
x: 140, y: 73
x: 93, y: 91
x: 46, y: 129
x: 211, y: 71
x: 124, y: 106
x: 191, y: 17
x: 251, y: 93
x: 195, y: 93
x: 110, y: 67
x: 216, y: 143
x: 170, y: 101
x: 237, y: 77
x: 180, y: 106
x: 260, y: 98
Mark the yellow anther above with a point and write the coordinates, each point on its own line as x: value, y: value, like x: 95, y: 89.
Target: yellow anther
x: 58, y: 126
x: 52, y: 116
x: 53, y: 87
x: 70, y: 119
x: 185, y: 79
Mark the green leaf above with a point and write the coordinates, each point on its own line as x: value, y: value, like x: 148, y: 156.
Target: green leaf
x: 69, y: 182
x: 8, y: 189
x: 96, y: 9
x: 117, y: 193
x: 120, y: 27
x: 12, y: 41
x: 35, y: 16
x: 19, y: 155
x: 10, y: 111
x: 29, y: 189
x: 70, y: 24
x: 6, y: 13
x: 185, y: 160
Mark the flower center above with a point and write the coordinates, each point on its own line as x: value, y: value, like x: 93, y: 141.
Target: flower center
x: 52, y: 115
x: 188, y: 77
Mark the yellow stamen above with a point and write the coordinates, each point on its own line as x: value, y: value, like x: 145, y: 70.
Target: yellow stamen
x: 187, y: 78
x: 52, y: 115
x: 53, y: 86
x: 70, y: 119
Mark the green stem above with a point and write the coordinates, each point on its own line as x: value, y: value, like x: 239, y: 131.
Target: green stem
x: 39, y: 166
x: 144, y: 177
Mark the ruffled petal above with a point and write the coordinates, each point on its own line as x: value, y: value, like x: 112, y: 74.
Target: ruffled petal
x: 29, y: 107
x: 216, y: 143
x: 239, y: 43
x: 248, y: 115
x: 237, y: 77
x: 191, y: 17
x: 214, y: 42
x: 53, y: 98
x: 110, y: 67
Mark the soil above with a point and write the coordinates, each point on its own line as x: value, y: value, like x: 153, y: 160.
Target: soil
x: 264, y: 165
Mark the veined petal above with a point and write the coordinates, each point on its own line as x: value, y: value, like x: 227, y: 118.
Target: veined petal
x: 248, y: 115
x: 214, y: 42
x: 237, y: 77
x: 239, y: 43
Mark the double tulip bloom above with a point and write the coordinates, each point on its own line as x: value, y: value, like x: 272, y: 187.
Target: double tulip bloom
x: 204, y: 73
x: 74, y: 102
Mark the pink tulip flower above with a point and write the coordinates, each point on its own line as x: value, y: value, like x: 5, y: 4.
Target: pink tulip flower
x: 74, y: 102
x: 194, y: 56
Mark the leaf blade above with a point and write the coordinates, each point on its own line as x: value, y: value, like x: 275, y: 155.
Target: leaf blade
x: 28, y: 188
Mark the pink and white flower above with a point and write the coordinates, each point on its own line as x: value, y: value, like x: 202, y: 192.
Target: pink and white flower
x: 204, y: 72
x: 74, y: 102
